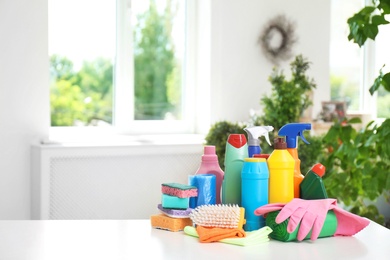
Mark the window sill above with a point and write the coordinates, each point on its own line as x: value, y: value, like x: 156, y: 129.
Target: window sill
x: 93, y: 136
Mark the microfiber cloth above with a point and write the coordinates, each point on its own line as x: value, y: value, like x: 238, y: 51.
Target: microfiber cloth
x: 252, y: 237
x: 214, y: 234
x: 307, y: 213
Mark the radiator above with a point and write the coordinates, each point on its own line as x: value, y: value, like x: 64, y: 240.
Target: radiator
x: 106, y: 182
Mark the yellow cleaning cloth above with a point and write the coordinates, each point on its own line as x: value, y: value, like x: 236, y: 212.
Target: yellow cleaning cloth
x: 213, y: 234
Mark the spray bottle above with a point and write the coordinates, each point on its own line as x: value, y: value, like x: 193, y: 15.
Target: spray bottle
x: 235, y: 154
x: 291, y: 131
x: 210, y: 165
x: 254, y: 133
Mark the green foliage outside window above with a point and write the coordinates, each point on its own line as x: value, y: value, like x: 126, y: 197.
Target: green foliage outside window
x: 85, y: 97
x: 156, y: 82
x: 81, y: 97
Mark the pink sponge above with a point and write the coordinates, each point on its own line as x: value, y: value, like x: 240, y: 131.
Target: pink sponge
x: 179, y: 190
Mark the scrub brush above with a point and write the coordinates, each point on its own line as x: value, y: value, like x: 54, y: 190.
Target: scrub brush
x: 218, y: 216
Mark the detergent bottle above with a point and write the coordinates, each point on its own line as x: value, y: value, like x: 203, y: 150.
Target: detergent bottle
x: 254, y: 133
x: 291, y: 131
x: 254, y: 191
x: 209, y: 165
x: 281, y: 173
x: 235, y: 154
x: 312, y: 187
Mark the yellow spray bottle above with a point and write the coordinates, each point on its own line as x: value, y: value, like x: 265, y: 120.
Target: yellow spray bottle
x: 291, y: 131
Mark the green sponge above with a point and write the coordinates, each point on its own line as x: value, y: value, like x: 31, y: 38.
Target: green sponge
x: 173, y: 202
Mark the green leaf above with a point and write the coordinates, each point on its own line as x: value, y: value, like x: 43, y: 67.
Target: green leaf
x: 386, y: 81
x: 377, y: 84
x: 370, y: 31
x: 354, y: 120
x: 385, y: 6
x: 379, y: 19
x: 367, y: 10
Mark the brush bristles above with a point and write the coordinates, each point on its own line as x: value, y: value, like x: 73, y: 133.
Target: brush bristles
x: 219, y: 215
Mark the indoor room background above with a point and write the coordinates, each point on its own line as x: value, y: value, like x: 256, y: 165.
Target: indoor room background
x: 117, y: 179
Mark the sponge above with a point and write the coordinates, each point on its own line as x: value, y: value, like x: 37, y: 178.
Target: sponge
x: 179, y: 190
x: 171, y: 224
x: 175, y: 213
x: 173, y: 202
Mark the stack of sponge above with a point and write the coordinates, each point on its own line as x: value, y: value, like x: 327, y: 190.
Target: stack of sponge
x: 174, y: 207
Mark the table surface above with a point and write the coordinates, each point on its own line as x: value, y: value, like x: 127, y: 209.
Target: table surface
x: 136, y: 239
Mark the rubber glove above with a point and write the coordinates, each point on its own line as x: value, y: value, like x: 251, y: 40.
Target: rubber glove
x: 263, y: 210
x: 348, y: 223
x: 310, y: 214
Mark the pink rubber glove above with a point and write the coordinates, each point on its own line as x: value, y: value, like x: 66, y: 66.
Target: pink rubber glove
x: 348, y: 224
x: 263, y: 210
x: 310, y: 214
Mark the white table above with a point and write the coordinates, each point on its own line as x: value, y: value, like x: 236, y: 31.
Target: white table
x: 135, y: 239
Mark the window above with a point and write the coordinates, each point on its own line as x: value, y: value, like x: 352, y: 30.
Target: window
x: 121, y: 63
x: 354, y: 69
x: 382, y: 57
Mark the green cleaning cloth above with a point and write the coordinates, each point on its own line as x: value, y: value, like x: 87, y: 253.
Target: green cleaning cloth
x: 252, y: 238
x: 280, y: 230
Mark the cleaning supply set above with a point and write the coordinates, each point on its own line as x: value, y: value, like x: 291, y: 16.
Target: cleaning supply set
x: 260, y: 195
x: 174, y: 208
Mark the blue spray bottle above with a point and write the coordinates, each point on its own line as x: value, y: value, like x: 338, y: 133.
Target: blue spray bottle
x: 291, y: 131
x: 254, y: 133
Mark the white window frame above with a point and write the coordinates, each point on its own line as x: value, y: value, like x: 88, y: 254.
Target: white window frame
x: 196, y: 110
x: 368, y: 102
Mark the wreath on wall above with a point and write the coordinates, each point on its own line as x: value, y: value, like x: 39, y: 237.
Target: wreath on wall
x: 277, y: 39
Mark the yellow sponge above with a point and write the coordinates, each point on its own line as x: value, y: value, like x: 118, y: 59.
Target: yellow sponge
x: 162, y: 221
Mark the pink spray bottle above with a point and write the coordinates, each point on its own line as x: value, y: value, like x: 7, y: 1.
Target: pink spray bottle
x: 210, y: 165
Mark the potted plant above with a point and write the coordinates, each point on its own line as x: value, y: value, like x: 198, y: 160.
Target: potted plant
x: 288, y: 99
x: 358, y: 162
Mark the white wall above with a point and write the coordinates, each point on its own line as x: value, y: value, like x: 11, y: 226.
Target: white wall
x: 24, y: 98
x: 238, y: 74
x: 239, y: 70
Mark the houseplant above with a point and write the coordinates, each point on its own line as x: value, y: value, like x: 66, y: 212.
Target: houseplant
x: 288, y: 99
x: 358, y: 163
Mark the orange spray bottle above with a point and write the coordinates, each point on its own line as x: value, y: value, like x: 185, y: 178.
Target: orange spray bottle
x: 292, y: 131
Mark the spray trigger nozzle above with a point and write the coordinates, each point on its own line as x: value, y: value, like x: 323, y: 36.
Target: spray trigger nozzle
x: 255, y: 132
x: 303, y: 137
x: 293, y: 130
